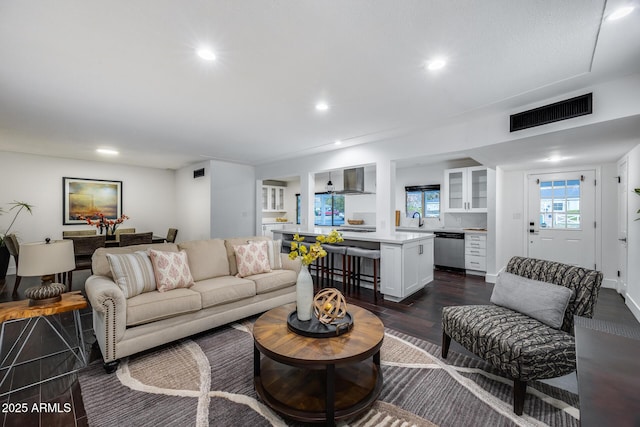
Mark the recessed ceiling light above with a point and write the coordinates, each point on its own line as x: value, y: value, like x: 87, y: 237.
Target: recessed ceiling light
x: 436, y: 64
x: 620, y: 13
x: 322, y: 106
x: 107, y: 151
x: 554, y: 158
x: 337, y: 142
x: 206, y: 54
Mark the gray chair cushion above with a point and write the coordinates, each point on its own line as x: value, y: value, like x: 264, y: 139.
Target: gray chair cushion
x: 543, y: 301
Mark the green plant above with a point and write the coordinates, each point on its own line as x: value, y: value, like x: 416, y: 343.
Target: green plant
x: 18, y: 207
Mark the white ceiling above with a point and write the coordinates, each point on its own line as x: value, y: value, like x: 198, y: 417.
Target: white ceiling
x: 78, y: 75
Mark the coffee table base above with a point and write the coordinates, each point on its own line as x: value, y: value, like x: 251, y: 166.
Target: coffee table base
x: 302, y: 394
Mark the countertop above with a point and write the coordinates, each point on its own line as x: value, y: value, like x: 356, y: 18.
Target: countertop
x: 446, y: 229
x: 398, y: 238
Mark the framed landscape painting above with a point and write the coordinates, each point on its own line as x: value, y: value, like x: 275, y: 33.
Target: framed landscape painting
x: 86, y: 197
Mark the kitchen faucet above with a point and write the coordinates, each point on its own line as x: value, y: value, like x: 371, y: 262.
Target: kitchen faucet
x: 420, y: 221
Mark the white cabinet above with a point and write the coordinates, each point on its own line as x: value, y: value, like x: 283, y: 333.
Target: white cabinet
x: 267, y: 229
x: 411, y: 262
x: 465, y: 190
x: 475, y: 252
x: 273, y: 198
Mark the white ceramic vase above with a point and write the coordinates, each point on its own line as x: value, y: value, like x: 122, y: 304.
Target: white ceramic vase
x: 304, y: 294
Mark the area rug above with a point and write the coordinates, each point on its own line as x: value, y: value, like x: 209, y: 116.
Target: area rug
x: 207, y: 380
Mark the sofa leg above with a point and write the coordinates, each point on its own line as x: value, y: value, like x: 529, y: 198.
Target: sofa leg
x: 110, y: 367
x: 519, y: 392
x: 446, y: 341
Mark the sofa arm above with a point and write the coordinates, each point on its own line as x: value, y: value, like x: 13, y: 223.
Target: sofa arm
x: 288, y: 264
x: 109, y: 313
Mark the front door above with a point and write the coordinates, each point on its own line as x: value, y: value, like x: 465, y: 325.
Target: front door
x: 621, y: 285
x: 562, y: 217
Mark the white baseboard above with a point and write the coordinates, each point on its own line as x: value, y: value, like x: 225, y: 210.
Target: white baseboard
x: 11, y: 270
x: 490, y: 278
x: 633, y: 306
x: 609, y: 284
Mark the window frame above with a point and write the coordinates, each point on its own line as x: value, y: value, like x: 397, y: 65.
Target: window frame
x: 422, y: 189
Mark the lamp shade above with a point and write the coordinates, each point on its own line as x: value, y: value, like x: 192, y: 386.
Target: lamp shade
x: 40, y: 258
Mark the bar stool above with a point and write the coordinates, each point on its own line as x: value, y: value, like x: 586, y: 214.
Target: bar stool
x: 355, y: 257
x: 329, y: 268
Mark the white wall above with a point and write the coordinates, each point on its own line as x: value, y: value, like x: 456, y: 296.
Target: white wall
x: 148, y: 195
x: 193, y: 203
x: 633, y: 237
x: 233, y: 195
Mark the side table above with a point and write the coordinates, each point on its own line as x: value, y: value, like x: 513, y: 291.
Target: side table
x: 20, y: 311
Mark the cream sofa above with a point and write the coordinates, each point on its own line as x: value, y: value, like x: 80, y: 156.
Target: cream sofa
x: 127, y: 326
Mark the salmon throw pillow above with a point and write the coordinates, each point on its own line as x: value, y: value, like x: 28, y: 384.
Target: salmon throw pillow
x: 171, y: 270
x: 252, y: 258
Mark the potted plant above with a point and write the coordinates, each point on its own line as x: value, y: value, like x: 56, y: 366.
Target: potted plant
x: 17, y: 207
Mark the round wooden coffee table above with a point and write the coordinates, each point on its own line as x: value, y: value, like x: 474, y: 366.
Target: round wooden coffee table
x: 317, y: 379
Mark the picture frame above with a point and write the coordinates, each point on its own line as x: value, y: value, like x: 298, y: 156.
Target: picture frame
x: 84, y: 197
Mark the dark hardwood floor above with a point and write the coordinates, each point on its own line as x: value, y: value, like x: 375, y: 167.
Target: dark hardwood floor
x: 418, y: 316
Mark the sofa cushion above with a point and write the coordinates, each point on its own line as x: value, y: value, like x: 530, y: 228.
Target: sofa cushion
x: 276, y: 279
x: 207, y: 258
x: 171, y: 270
x: 222, y: 290
x: 152, y: 306
x: 133, y: 273
x: 231, y: 255
x: 543, y: 301
x: 100, y: 266
x: 252, y: 258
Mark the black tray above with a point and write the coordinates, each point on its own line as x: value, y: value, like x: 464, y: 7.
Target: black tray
x: 316, y: 329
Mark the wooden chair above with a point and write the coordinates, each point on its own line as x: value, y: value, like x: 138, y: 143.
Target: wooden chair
x: 83, y: 248
x: 129, y: 239
x: 120, y: 231
x: 171, y: 235
x: 73, y: 233
x: 13, y: 246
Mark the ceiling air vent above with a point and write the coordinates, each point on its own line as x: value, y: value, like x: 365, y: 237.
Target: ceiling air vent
x: 563, y: 110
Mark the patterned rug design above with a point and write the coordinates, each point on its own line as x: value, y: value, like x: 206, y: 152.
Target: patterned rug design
x: 207, y: 380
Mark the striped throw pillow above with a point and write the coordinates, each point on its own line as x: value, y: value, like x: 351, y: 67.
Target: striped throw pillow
x: 133, y: 273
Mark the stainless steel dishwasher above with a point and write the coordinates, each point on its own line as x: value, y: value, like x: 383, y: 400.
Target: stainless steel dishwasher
x: 448, y: 250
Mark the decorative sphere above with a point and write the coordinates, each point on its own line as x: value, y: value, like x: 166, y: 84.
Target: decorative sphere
x: 329, y: 305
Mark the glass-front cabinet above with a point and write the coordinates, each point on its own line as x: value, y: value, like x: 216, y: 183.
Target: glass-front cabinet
x: 465, y: 189
x: 273, y: 198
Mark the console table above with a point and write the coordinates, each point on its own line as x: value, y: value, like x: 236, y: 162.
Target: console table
x: 608, y: 373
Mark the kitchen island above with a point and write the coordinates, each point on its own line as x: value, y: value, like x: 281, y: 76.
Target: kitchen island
x: 406, y: 259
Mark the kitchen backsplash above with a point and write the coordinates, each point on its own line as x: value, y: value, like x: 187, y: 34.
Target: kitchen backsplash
x: 465, y: 220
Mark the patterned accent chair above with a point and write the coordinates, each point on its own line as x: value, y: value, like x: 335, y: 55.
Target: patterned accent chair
x: 520, y: 347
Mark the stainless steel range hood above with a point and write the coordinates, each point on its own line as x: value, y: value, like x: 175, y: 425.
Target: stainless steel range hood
x: 354, y: 182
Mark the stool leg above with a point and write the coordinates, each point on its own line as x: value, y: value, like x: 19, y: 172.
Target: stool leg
x: 344, y: 277
x: 375, y: 281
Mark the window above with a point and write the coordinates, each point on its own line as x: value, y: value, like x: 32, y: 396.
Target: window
x: 560, y: 204
x: 328, y: 208
x: 424, y: 199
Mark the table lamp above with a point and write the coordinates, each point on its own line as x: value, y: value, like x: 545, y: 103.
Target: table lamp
x: 46, y: 259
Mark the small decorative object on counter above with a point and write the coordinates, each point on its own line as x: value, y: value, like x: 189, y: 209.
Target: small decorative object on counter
x: 329, y: 306
x: 308, y: 254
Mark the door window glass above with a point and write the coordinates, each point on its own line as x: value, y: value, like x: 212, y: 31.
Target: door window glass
x: 560, y: 204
